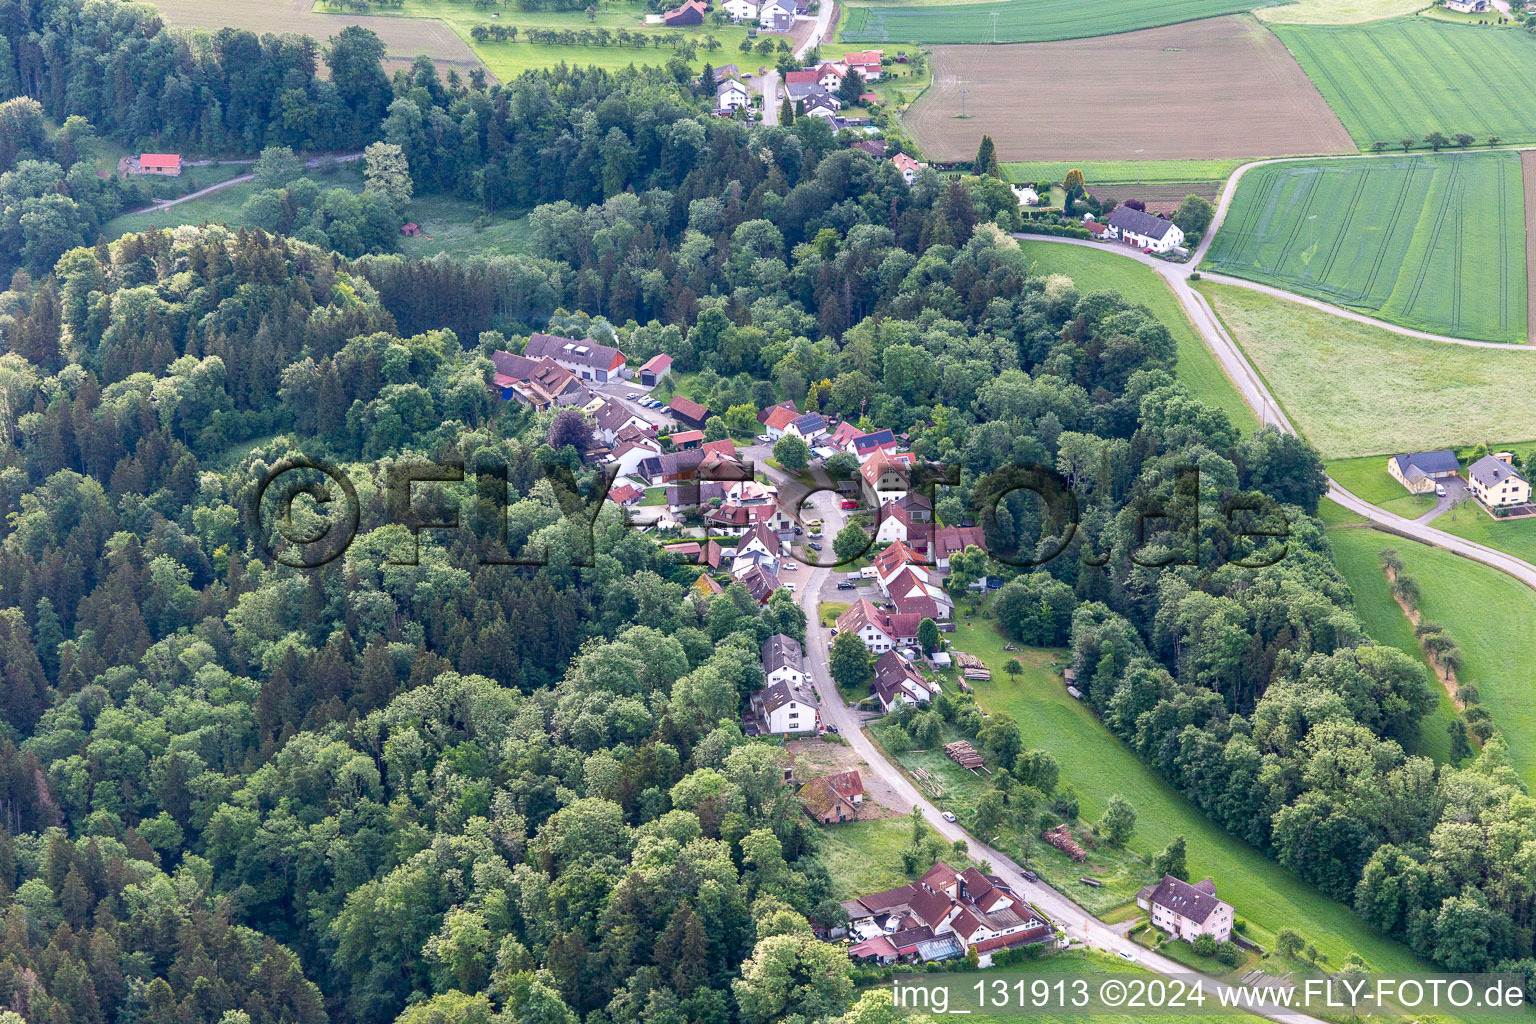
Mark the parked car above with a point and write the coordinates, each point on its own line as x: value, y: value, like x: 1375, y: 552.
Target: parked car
x: 948, y: 816
x: 788, y: 586
x: 799, y: 532
x: 763, y: 439
x: 813, y: 522
x: 813, y: 546
x: 1030, y: 876
x: 632, y: 395
x: 848, y: 503
x: 1439, y: 490
x: 789, y: 567
x: 831, y: 728
x: 845, y: 585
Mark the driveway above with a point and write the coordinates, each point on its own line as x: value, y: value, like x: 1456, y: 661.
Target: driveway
x: 1455, y: 489
x: 615, y: 390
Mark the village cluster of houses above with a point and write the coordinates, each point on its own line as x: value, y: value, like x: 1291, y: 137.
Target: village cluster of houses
x: 1493, y: 479
x: 941, y: 916
x: 813, y: 91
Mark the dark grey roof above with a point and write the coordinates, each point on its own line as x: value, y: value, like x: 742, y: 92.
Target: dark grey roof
x: 1196, y: 902
x: 1139, y: 222
x: 1439, y: 463
x: 776, y: 696
x: 584, y: 351
x: 781, y: 651
x: 810, y: 423
x: 1490, y: 472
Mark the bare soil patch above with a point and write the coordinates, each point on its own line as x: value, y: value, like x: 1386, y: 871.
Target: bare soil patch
x: 811, y: 758
x: 403, y: 38
x: 1220, y: 88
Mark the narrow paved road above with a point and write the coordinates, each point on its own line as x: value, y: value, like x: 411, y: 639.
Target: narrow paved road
x: 770, y: 89
x: 1079, y: 924
x: 825, y: 16
x: 166, y: 204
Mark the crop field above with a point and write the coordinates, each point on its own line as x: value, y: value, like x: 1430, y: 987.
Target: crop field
x: 1093, y: 270
x: 1098, y: 765
x: 1482, y: 609
x: 1353, y: 389
x: 402, y: 39
x: 1024, y: 21
x: 1121, y: 172
x: 1214, y: 90
x: 1336, y: 12
x: 1436, y: 243
x: 1406, y: 77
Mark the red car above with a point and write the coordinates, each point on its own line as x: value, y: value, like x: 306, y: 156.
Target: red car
x: 849, y: 503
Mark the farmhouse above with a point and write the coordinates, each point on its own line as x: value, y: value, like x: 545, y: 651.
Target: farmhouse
x: 833, y: 798
x: 541, y: 383
x: 943, y: 914
x: 1468, y: 6
x: 1137, y: 227
x: 1185, y: 910
x: 781, y: 708
x: 585, y: 358
x: 160, y: 163
x: 1421, y: 472
x: 691, y: 12
x: 740, y: 10
x: 1495, y: 482
x: 731, y: 95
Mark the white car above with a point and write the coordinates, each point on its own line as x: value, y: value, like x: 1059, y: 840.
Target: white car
x: 948, y: 816
x: 1439, y: 490
x: 1128, y: 956
x: 789, y: 567
x: 632, y: 395
x: 788, y: 586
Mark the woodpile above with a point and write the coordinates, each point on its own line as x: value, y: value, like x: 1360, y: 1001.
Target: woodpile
x: 962, y: 753
x: 971, y: 667
x: 1061, y: 838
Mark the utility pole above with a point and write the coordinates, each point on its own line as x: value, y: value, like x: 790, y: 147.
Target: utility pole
x: 962, y: 101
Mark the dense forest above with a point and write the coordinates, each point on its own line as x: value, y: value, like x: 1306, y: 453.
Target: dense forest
x: 233, y: 791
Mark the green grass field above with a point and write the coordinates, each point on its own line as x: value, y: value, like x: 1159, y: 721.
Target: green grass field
x: 1098, y: 765
x: 1385, y: 623
x: 1123, y: 172
x: 1336, y: 12
x: 1436, y: 243
x: 1197, y: 368
x: 507, y: 60
x: 1367, y: 478
x: 865, y: 856
x: 1483, y: 609
x: 1353, y: 389
x: 1406, y: 77
x: 1517, y: 537
x: 1024, y: 21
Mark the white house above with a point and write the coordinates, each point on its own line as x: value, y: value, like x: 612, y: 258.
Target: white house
x: 1139, y: 228
x: 907, y: 166
x: 783, y: 661
x: 1026, y: 195
x: 782, y: 709
x: 1187, y: 911
x: 611, y: 417
x: 1468, y: 6
x: 1495, y: 482
x: 731, y: 95
x: 869, y: 624
x: 777, y: 15
x: 740, y: 10
x: 629, y: 454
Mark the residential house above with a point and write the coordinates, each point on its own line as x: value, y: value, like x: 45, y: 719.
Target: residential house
x: 541, y: 383
x: 884, y: 477
x: 843, y: 437
x: 585, y: 358
x: 759, y: 537
x: 705, y: 586
x: 1421, y: 472
x: 1139, y: 228
x: 1029, y: 197
x: 629, y: 453
x: 824, y: 107
x: 778, y: 420
x: 1187, y: 911
x: 656, y: 367
x: 776, y: 15
x: 740, y: 10
x: 783, y: 660
x: 672, y: 467
x: 725, y: 71
x: 168, y: 164
x: 690, y: 12
x: 731, y: 95
x: 869, y: 624
x: 807, y: 427
x: 808, y: 91
x: 686, y: 410
x: 625, y: 494
x: 944, y: 914
x: 1495, y: 481
x: 894, y: 559
x: 897, y: 681
x: 613, y: 416
x: 950, y: 539
x: 760, y: 583
x: 1096, y: 229
x: 781, y: 708
x: 866, y: 63
x: 833, y: 798
x: 866, y: 445
x: 1468, y: 6
x: 874, y: 147
x: 830, y: 75
x: 763, y: 414
x: 908, y: 519
x: 907, y: 166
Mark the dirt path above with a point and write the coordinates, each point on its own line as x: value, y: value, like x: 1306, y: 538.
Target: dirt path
x: 166, y: 204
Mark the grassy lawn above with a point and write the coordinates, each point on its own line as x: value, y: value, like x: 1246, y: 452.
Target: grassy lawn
x: 1336, y: 12
x: 1406, y: 77
x: 1354, y: 390
x: 507, y: 60
x: 1518, y: 537
x: 223, y: 206
x: 1482, y: 608
x: 1023, y: 21
x: 450, y: 223
x: 1356, y: 555
x: 1368, y: 479
x: 1123, y: 172
x: 830, y: 610
x: 1098, y: 765
x: 1197, y: 367
x: 865, y: 856
x: 1435, y: 243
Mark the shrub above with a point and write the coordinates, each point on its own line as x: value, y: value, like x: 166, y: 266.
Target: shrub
x: 1204, y: 945
x: 1229, y: 954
